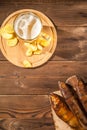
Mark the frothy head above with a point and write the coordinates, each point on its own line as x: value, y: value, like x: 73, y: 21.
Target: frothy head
x: 27, y: 26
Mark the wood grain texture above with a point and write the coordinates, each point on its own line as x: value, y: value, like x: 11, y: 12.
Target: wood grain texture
x: 25, y: 124
x: 62, y: 12
x: 42, y: 80
x: 71, y: 44
x: 24, y: 103
x: 25, y: 112
x: 27, y: 106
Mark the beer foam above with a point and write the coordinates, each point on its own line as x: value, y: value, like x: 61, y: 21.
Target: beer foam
x: 27, y: 26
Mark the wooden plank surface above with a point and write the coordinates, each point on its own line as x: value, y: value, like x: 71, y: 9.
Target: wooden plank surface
x: 71, y: 45
x: 25, y: 124
x: 25, y: 112
x: 27, y: 106
x: 62, y: 12
x: 42, y: 80
x: 24, y: 102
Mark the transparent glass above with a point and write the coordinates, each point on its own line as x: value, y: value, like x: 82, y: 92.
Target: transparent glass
x: 27, y: 26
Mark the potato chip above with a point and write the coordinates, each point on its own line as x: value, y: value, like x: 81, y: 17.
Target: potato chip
x: 12, y: 42
x: 39, y: 47
x: 44, y: 43
x: 38, y: 41
x: 27, y: 44
x: 33, y: 47
x: 27, y: 64
x: 1, y: 31
x: 37, y: 52
x: 7, y: 35
x: 8, y: 29
x: 29, y: 52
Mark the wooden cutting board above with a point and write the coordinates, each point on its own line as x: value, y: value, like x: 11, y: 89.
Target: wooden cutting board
x: 16, y: 54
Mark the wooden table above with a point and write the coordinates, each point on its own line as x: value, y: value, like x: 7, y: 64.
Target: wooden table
x: 24, y: 101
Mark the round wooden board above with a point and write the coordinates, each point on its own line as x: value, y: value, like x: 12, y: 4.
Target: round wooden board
x: 16, y: 54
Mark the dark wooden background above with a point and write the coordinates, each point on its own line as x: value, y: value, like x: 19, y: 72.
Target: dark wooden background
x: 24, y: 102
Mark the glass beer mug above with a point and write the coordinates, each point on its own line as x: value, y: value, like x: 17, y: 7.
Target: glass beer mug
x: 28, y: 26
